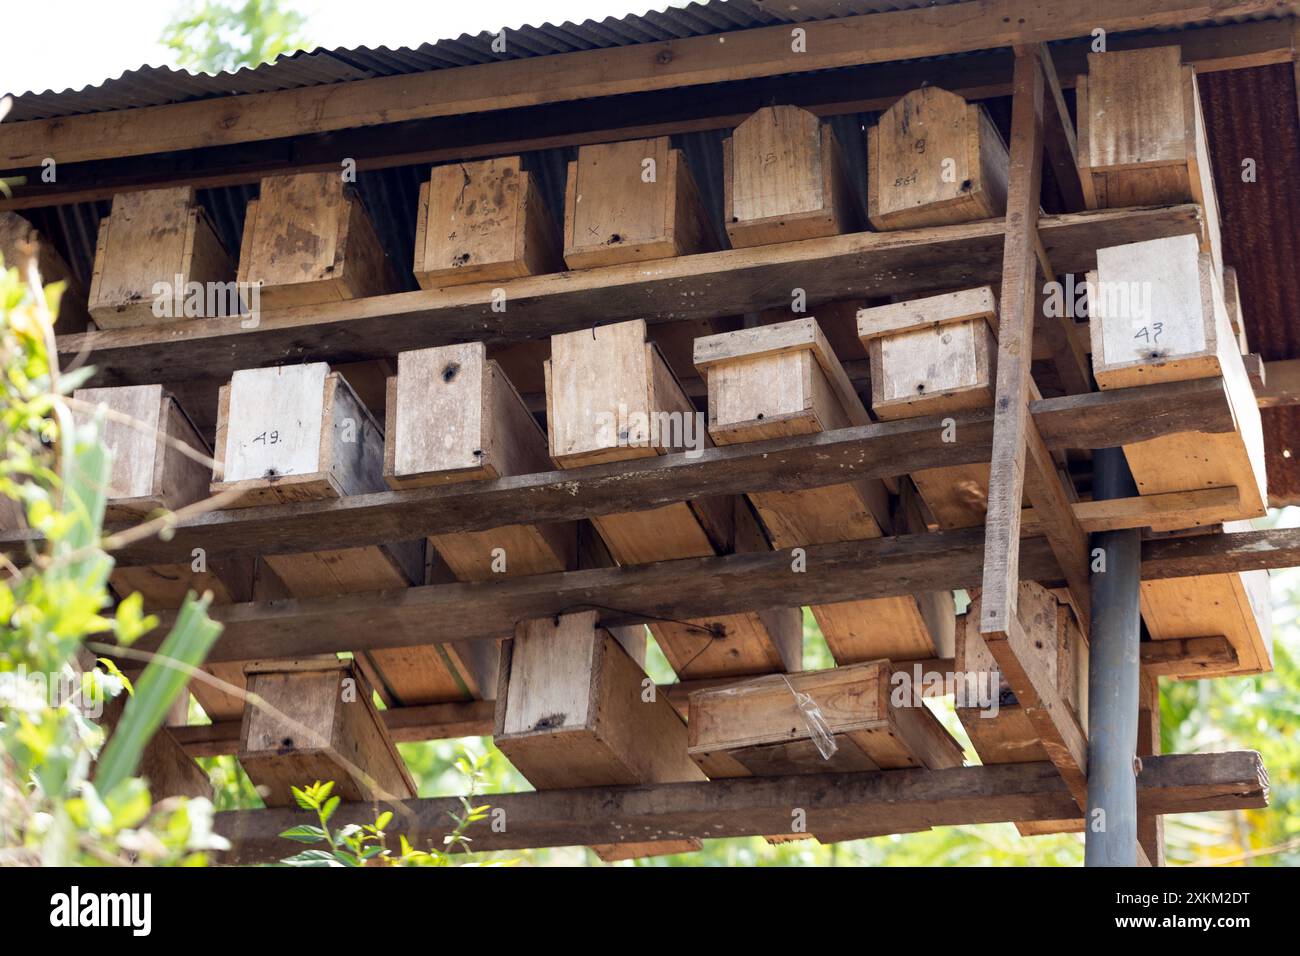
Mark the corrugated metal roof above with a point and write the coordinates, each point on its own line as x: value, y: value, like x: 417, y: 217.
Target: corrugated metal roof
x: 161, y: 85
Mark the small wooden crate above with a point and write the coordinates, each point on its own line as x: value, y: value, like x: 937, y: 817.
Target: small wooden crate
x: 19, y: 241
x: 604, y: 389
x: 1003, y: 733
x: 932, y: 356
x: 1158, y: 315
x: 784, y: 379
x: 933, y: 160
x: 756, y: 727
x: 1142, y: 138
x: 784, y: 179
x: 155, y: 236
x: 348, y: 742
x: 483, y: 222
x: 308, y: 240
x: 142, y: 428
x: 630, y: 202
x: 935, y: 356
x: 572, y: 711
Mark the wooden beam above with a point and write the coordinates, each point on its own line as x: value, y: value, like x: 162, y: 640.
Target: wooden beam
x: 709, y: 285
x: 1060, y: 136
x: 765, y: 51
x: 1020, y: 461
x: 751, y: 806
x: 863, y: 89
x: 880, y: 450
x: 684, y: 589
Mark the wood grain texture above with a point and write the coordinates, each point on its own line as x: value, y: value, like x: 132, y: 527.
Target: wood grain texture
x: 1178, y: 783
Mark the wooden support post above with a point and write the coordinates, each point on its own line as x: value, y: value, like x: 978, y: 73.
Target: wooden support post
x: 575, y: 710
x: 334, y: 732
x: 1061, y: 140
x: 1021, y: 463
x: 159, y: 236
x: 308, y: 240
x: 1151, y: 827
x: 784, y: 379
x: 1000, y: 729
x: 453, y: 416
x: 611, y: 397
x: 481, y: 222
x: 633, y: 201
x: 784, y: 179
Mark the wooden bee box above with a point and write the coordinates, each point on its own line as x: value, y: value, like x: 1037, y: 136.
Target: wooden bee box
x: 299, y: 433
x: 1236, y: 606
x: 632, y: 201
x: 159, y: 461
x: 154, y: 236
x: 1003, y: 732
x: 610, y: 397
x: 19, y: 241
x: 756, y: 727
x: 932, y: 356
x: 784, y: 179
x: 935, y: 356
x: 333, y: 733
x: 308, y: 240
x: 933, y: 160
x: 1141, y: 138
x: 572, y: 711
x: 483, y: 222
x: 784, y: 379
x: 454, y: 416
x: 143, y: 428
x: 1158, y: 315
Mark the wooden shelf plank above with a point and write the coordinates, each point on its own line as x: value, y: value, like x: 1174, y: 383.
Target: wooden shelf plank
x: 870, y: 451
x: 708, y: 285
x: 686, y: 588
x: 750, y: 806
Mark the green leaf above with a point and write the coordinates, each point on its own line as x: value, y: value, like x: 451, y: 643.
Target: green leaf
x: 304, y: 833
x: 331, y: 805
x: 188, y: 643
x: 312, y: 858
x: 111, y: 666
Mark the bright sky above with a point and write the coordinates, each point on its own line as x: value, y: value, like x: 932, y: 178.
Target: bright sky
x: 76, y: 43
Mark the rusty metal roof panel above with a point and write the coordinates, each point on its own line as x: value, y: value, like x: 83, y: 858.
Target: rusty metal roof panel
x: 160, y: 85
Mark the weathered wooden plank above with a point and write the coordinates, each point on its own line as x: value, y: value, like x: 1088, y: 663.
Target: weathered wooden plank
x: 869, y: 451
x: 687, y: 587
x: 896, y: 800
x: 709, y: 285
x: 861, y: 89
x: 764, y: 51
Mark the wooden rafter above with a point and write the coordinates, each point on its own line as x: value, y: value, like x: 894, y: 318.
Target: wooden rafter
x: 765, y: 51
x: 685, y: 589
x: 879, y: 450
x: 1021, y: 462
x: 709, y: 285
x: 896, y: 800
